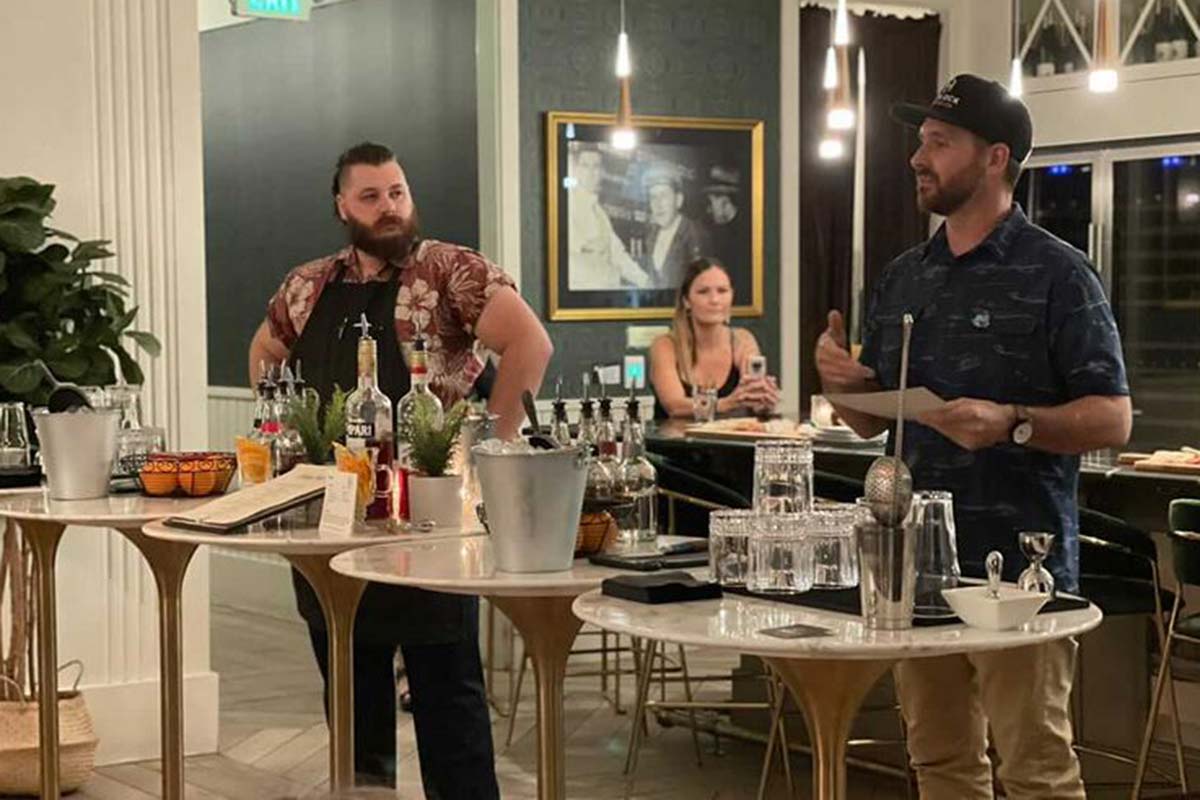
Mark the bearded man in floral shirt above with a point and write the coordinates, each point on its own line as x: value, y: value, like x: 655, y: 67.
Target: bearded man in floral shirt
x: 452, y: 297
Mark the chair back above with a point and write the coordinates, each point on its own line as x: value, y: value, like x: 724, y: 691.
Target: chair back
x: 1185, y: 539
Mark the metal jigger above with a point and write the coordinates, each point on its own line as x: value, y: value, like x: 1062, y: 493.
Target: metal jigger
x: 888, y: 487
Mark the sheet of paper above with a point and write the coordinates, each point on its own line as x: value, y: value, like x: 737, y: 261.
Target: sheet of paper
x: 885, y: 404
x: 337, y: 514
x: 306, y: 480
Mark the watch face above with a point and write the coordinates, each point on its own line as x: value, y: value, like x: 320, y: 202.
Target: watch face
x: 1023, y: 433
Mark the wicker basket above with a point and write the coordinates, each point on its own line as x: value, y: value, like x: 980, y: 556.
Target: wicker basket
x: 20, y: 765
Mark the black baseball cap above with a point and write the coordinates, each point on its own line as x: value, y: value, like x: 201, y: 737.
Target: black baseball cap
x: 982, y: 106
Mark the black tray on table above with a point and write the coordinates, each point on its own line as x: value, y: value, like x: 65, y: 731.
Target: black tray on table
x: 848, y: 601
x: 20, y: 477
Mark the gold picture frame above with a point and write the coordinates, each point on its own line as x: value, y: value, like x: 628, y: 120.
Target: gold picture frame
x: 699, y: 180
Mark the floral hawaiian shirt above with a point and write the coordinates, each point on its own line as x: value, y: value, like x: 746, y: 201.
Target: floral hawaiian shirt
x: 443, y: 289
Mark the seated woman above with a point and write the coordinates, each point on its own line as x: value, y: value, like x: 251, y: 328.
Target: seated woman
x: 703, y: 350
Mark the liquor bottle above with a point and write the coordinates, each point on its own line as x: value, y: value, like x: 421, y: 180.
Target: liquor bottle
x: 288, y: 446
x: 369, y: 421
x: 560, y: 428
x: 1068, y: 53
x: 1162, y: 34
x: 260, y: 396
x: 1180, y: 34
x: 419, y: 394
x: 1046, y: 47
x: 637, y: 481
x: 587, y: 417
x: 606, y: 430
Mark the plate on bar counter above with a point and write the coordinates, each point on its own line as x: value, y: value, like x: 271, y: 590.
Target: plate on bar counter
x: 844, y: 436
x: 750, y: 429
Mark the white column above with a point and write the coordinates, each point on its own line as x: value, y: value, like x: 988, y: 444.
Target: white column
x: 104, y: 102
x: 789, y: 207
x: 499, y: 129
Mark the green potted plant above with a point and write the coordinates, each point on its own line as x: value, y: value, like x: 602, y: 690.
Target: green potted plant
x: 60, y: 320
x: 434, y: 494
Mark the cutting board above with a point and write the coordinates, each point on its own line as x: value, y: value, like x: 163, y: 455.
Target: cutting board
x: 701, y: 432
x: 1165, y: 466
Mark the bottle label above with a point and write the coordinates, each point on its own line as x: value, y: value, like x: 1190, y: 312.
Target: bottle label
x: 363, y: 430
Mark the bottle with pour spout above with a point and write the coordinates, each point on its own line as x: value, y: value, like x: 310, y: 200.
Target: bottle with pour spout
x: 369, y: 421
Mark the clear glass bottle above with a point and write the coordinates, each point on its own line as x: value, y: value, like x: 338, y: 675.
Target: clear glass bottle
x: 289, y: 446
x: 587, y: 423
x: 637, y: 482
x: 369, y: 421
x: 418, y: 394
x: 560, y: 427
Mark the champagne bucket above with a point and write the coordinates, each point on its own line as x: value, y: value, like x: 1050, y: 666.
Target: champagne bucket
x: 532, y: 502
x: 77, y: 451
x: 887, y: 573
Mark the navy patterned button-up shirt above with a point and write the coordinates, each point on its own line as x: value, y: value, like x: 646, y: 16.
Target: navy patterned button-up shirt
x: 1021, y: 319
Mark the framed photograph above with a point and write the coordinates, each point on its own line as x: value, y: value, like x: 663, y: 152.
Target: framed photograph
x: 622, y: 225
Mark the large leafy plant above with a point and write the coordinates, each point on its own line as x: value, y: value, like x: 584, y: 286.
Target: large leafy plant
x: 57, y: 312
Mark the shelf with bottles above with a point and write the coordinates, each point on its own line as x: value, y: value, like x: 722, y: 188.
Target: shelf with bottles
x: 1056, y: 36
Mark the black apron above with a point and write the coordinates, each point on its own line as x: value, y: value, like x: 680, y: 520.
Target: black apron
x: 328, y: 347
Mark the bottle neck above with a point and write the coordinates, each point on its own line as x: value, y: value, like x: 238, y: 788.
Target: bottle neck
x: 368, y: 375
x: 419, y: 372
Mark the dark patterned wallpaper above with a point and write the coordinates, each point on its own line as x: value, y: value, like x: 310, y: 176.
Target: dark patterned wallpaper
x: 698, y: 58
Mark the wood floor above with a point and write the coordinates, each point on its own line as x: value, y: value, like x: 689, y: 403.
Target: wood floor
x: 273, y: 741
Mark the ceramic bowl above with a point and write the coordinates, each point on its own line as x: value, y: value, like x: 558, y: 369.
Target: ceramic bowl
x: 977, y: 608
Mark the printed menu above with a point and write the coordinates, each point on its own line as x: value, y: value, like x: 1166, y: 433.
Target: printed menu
x: 252, y: 503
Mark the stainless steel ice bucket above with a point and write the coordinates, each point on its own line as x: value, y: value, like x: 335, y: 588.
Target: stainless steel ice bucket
x: 532, y: 503
x: 887, y: 573
x: 77, y: 451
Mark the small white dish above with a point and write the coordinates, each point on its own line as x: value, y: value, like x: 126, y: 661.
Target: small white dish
x: 975, y: 606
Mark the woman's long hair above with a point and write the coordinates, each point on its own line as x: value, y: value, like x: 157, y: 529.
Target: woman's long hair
x: 683, y: 331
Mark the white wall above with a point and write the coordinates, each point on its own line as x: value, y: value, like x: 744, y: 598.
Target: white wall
x: 101, y: 98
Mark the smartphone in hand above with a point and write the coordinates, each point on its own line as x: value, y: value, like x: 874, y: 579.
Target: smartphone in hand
x: 757, y: 366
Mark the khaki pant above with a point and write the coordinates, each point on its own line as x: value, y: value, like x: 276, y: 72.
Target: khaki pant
x: 949, y: 702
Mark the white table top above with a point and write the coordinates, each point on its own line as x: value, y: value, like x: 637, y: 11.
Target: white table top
x: 116, y: 510
x: 734, y: 622
x: 465, y: 566
x: 296, y: 533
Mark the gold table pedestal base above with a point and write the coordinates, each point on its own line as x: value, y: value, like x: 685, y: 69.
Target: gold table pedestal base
x: 43, y: 539
x: 830, y: 694
x: 339, y: 596
x: 548, y: 629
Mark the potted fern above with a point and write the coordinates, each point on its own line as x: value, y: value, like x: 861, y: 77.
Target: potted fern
x: 433, y: 494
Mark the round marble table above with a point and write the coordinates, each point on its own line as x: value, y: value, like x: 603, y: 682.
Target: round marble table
x: 295, y: 536
x: 43, y: 521
x: 538, y: 603
x: 828, y: 675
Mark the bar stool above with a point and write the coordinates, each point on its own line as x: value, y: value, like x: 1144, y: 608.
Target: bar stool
x: 1119, y: 573
x: 1184, y: 536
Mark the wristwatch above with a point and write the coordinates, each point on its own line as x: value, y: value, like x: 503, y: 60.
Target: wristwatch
x: 1022, y: 431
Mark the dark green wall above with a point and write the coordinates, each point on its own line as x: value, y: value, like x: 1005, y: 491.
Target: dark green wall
x: 281, y: 100
x: 692, y: 58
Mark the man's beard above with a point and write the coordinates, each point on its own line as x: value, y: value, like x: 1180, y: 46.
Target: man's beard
x: 948, y: 196
x: 391, y: 246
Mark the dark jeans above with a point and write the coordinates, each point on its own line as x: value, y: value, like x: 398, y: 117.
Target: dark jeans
x: 454, y: 736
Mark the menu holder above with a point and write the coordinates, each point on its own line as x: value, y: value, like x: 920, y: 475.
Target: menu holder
x: 253, y: 503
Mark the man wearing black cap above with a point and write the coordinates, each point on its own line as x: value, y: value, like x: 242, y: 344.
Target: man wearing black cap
x: 1013, y: 329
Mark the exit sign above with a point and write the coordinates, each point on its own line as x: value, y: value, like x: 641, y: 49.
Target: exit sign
x: 274, y: 9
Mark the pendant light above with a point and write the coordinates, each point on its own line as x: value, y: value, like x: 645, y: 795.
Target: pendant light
x: 623, y: 136
x: 841, y: 110
x: 1105, y: 51
x: 831, y: 147
x: 1016, y: 79
x: 841, y: 25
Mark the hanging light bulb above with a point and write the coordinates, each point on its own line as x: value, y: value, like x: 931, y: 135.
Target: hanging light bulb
x: 841, y: 25
x: 623, y: 135
x: 831, y: 75
x: 841, y: 108
x: 1016, y: 85
x: 1103, y: 77
x: 831, y: 148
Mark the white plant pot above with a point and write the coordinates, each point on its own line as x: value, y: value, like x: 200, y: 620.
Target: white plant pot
x: 438, y: 499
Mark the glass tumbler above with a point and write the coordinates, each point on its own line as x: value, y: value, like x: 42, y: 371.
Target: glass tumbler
x: 728, y: 545
x: 704, y: 403
x: 830, y: 529
x: 14, y: 436
x: 783, y: 476
x: 937, y: 553
x: 781, y: 556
